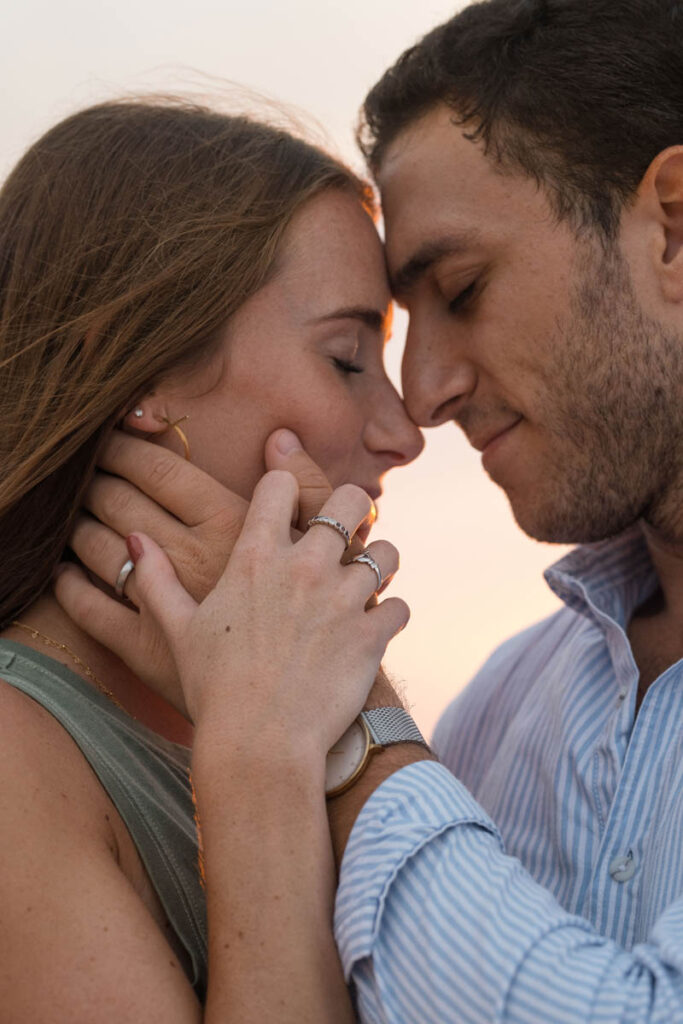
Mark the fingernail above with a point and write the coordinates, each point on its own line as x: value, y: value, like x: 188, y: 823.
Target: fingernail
x: 135, y: 548
x: 287, y: 442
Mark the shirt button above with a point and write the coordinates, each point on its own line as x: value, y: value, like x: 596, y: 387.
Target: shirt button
x: 623, y: 867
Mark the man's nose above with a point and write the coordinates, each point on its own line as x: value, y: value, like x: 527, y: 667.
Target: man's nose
x: 436, y: 376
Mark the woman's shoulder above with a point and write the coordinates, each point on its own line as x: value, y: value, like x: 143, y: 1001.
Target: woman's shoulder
x: 43, y: 775
x: 73, y: 915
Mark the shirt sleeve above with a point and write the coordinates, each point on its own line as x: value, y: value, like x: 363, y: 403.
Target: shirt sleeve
x: 436, y: 924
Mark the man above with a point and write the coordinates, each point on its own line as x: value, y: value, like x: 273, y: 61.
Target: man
x: 531, y: 175
x: 532, y: 187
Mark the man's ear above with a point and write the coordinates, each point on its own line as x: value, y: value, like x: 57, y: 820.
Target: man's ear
x: 662, y: 190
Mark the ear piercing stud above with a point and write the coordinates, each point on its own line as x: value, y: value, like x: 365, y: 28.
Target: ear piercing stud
x: 138, y: 413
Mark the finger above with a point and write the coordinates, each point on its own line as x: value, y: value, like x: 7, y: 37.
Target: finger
x: 198, y: 553
x: 349, y: 506
x: 102, y: 551
x: 373, y: 580
x: 102, y: 617
x: 284, y: 451
x: 171, y: 481
x: 124, y: 508
x: 389, y: 617
x: 365, y: 528
x: 273, y: 506
x: 161, y: 593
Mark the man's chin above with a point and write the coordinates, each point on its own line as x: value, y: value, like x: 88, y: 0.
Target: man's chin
x: 555, y: 523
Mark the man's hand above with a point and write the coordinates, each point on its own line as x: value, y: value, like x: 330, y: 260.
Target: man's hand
x: 195, y: 520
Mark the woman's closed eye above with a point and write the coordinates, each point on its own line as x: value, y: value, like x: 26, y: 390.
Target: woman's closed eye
x: 346, y: 365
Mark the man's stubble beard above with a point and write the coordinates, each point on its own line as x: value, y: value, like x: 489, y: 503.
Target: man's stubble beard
x: 613, y: 411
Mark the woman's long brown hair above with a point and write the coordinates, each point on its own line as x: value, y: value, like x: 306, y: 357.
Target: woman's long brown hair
x: 129, y: 234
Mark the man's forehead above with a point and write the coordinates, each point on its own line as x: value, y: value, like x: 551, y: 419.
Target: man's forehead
x: 440, y: 191
x: 433, y: 182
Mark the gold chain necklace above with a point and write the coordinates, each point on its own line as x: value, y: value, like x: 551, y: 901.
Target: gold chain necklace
x: 37, y: 635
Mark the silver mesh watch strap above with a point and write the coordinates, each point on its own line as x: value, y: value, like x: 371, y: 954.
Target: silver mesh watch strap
x: 392, y: 725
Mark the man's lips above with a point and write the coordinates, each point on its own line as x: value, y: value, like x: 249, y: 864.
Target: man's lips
x: 482, y: 441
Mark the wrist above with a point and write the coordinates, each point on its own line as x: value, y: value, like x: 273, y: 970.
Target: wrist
x: 263, y: 766
x: 343, y: 810
x: 383, y: 693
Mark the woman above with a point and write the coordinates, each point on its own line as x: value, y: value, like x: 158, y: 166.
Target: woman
x: 199, y: 280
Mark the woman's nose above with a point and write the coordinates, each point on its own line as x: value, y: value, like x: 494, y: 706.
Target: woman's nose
x: 390, y: 431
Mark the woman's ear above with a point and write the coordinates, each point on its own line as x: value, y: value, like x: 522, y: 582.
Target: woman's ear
x: 149, y: 417
x: 146, y: 417
x: 663, y: 183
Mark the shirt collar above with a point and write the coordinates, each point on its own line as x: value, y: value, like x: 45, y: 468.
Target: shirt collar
x: 608, y: 579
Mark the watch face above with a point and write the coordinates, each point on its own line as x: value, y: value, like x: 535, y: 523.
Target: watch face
x: 345, y: 756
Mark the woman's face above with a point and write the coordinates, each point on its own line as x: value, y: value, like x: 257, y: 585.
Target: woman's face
x: 304, y: 352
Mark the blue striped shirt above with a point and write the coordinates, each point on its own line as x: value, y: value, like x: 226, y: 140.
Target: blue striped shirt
x: 545, y: 883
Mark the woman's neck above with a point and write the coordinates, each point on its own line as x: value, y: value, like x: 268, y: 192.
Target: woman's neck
x: 143, y: 704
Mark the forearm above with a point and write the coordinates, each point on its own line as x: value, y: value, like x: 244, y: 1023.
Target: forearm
x: 435, y: 923
x: 344, y: 809
x: 270, y: 887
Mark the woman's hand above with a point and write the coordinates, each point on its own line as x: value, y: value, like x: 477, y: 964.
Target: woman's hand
x: 282, y: 653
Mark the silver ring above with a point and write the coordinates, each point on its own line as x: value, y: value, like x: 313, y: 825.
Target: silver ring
x: 334, y: 525
x: 366, y: 559
x: 126, y: 570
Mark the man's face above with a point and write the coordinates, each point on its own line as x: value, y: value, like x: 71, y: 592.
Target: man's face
x: 531, y: 339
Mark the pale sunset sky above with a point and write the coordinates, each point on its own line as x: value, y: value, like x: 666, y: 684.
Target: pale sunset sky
x: 470, y: 576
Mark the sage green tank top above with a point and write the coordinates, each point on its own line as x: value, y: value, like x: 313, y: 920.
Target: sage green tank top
x: 147, y: 780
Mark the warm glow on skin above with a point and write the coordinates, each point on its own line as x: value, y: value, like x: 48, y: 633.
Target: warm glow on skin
x: 450, y: 523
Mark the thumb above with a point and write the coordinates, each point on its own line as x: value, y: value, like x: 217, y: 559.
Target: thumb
x: 160, y: 592
x: 284, y: 451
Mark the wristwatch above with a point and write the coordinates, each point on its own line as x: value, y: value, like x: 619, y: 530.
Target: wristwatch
x: 372, y: 731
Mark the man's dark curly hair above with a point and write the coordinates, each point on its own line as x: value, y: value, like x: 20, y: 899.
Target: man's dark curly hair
x: 580, y: 95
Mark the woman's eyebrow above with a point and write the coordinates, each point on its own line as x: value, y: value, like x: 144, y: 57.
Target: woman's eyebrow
x: 372, y: 318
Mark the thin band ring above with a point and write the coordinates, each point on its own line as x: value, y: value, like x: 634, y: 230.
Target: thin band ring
x: 334, y: 525
x: 365, y: 558
x: 126, y: 570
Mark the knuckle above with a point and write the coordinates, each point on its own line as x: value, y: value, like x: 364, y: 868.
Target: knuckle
x: 279, y: 481
x: 251, y: 554
x: 97, y: 545
x: 355, y: 495
x: 113, y: 498
x: 307, y: 570
x: 227, y: 521
x: 197, y: 569
x: 317, y: 489
x: 80, y: 605
x: 163, y: 467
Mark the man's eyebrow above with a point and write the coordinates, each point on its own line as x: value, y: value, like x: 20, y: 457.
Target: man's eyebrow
x: 427, y: 255
x: 372, y: 318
